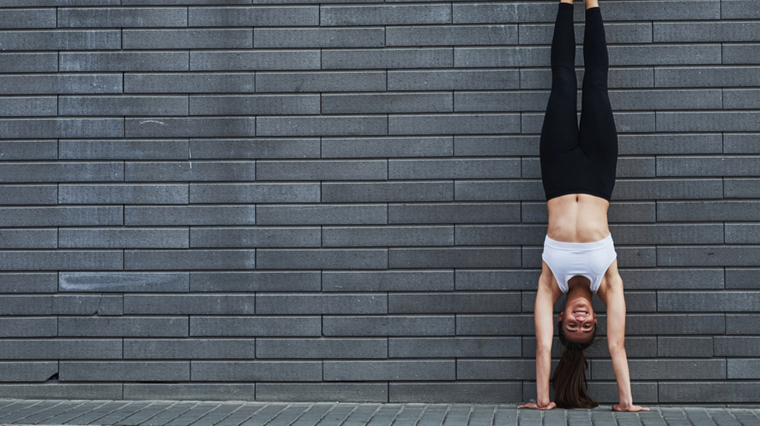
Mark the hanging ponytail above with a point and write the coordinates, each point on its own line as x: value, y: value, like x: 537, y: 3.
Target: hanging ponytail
x: 570, y: 388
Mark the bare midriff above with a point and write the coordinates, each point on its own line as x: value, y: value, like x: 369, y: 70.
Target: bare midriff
x: 578, y: 218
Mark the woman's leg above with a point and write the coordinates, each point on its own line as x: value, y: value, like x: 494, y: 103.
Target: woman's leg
x: 598, y: 137
x: 559, y: 134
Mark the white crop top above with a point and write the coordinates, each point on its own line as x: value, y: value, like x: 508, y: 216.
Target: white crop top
x: 590, y: 260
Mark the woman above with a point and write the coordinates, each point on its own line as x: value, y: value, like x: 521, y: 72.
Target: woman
x: 579, y: 259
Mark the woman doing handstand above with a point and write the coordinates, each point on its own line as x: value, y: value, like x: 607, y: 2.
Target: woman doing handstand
x: 579, y: 258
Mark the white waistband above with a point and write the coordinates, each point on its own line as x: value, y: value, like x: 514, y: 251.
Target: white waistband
x: 571, y: 246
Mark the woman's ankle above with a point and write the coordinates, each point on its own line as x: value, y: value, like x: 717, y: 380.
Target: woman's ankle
x: 566, y: 1
x: 592, y: 3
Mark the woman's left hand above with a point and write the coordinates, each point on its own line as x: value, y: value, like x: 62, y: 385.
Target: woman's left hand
x: 628, y: 408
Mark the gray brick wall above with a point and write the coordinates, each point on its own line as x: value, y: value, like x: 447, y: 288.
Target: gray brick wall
x: 293, y: 200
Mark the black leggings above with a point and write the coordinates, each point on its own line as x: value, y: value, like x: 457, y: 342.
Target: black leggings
x: 573, y: 161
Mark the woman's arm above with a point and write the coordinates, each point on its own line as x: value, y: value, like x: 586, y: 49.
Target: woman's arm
x: 616, y: 343
x: 543, y: 316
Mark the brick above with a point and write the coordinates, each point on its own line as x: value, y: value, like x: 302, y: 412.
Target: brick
x: 667, y: 234
x: 321, y: 81
x: 191, y: 391
x: 123, y: 105
x: 321, y: 170
x: 206, y: 304
x: 454, y: 258
x: 17, y: 327
x: 389, y: 370
x: 61, y: 128
x: 454, y: 213
x: 453, y: 79
x: 254, y: 281
x: 61, y: 171
x: 28, y: 283
x: 739, y: 9
x: 387, y: 147
x: 735, y: 346
x: 742, y: 233
x: 684, y: 347
x: 254, y: 104
x: 670, y: 144
x: 490, y: 369
x: 387, y: 236
x: 498, y: 13
x: 387, y: 58
x: 28, y: 106
x: 707, y: 392
x: 27, y: 18
x: 189, y: 348
x: 632, y: 189
x: 39, y: 62
x: 740, y: 121
x: 494, y: 324
x: 190, y: 126
x: 393, y: 14
x: 228, y: 38
x: 722, y: 210
x: 122, y: 17
x: 501, y: 190
x: 630, y: 77
x: 741, y: 278
x: 657, y: 54
x: 189, y: 215
x: 133, y: 326
x: 190, y: 83
x: 258, y: 148
x: 493, y: 280
x: 123, y: 282
x: 383, y: 281
x: 300, y: 259
x: 741, y: 99
x: 741, y: 143
x: 124, y: 61
x: 61, y: 260
x: 322, y: 214
x: 124, y: 371
x: 735, y: 256
x: 60, y: 40
x: 120, y: 149
x: 453, y: 169
x: 28, y: 239
x: 455, y: 392
x: 740, y: 53
x: 724, y: 31
x: 322, y: 348
x: 352, y: 326
x: 321, y: 304
x: 27, y: 371
x: 684, y: 369
x: 253, y: 16
x: 307, y: 392
x: 123, y: 193
x: 741, y: 324
x: 608, y: 391
x: 387, y: 192
x: 62, y: 391
x: 501, y: 101
x: 614, y: 32
x: 250, y: 60
x: 12, y: 84
x: 260, y: 237
x: 662, y: 99
x: 501, y: 235
x: 256, y: 371
x: 259, y: 326
x: 318, y: 37
x: 743, y: 368
x: 254, y: 193
x: 458, y: 302
x: 674, y: 324
x: 28, y: 150
x: 740, y: 188
x: 387, y: 103
x: 453, y: 124
x: 60, y: 216
x: 453, y: 347
x: 706, y: 77
x: 189, y: 259
x: 513, y: 56
x: 673, y: 278
x: 37, y: 349
x: 190, y: 171
x: 724, y: 301
x: 321, y: 125
x: 451, y: 35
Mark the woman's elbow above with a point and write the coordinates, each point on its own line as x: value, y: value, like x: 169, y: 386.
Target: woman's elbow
x: 616, y: 346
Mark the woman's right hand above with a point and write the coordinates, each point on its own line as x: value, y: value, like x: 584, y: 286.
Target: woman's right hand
x: 534, y: 405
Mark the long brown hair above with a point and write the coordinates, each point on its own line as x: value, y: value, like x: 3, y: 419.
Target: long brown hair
x: 570, y: 388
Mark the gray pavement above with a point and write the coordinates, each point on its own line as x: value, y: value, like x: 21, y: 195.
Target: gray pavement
x: 228, y: 413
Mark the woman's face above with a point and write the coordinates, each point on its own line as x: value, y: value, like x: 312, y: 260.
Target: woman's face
x: 578, y: 320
